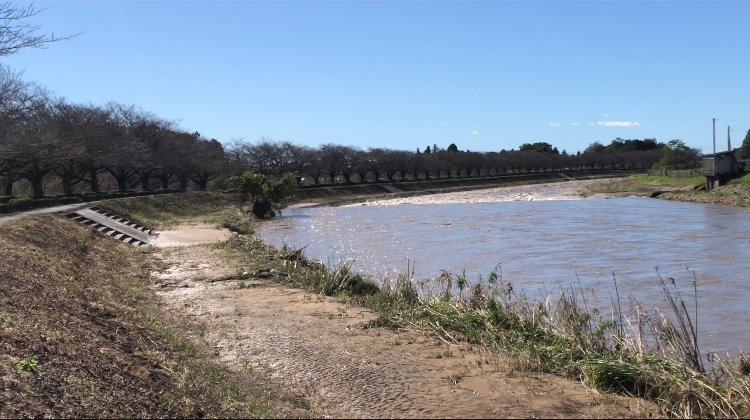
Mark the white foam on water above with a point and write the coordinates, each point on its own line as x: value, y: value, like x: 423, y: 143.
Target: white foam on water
x: 537, y: 192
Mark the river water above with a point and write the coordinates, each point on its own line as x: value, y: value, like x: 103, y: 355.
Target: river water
x: 545, y: 238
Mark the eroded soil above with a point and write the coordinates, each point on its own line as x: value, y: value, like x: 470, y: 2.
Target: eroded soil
x: 316, y: 350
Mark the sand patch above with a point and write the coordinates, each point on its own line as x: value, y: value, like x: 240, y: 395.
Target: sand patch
x: 190, y: 236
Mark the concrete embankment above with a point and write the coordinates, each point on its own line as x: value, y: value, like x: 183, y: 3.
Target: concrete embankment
x: 333, y: 194
x: 652, y: 191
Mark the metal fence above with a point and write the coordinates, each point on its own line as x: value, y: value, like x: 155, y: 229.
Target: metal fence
x: 684, y: 173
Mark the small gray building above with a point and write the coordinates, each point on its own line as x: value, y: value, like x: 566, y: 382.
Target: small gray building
x: 718, y: 168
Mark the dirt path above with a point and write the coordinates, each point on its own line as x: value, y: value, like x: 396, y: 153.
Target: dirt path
x: 5, y: 218
x: 315, y: 348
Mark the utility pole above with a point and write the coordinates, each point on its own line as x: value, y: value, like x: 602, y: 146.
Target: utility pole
x: 714, y: 135
x: 729, y: 142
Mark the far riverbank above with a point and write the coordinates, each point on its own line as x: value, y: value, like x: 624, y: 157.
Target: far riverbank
x: 346, y: 194
x: 736, y: 193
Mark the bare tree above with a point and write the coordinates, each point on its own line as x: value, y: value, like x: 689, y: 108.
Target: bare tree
x: 348, y: 162
x: 301, y: 158
x: 402, y: 162
x: 40, y: 146
x: 182, y: 158
x: 124, y: 153
x: 209, y: 160
x: 16, y: 35
x: 376, y: 161
x: 17, y: 99
x: 73, y: 127
x: 332, y: 159
x: 360, y: 164
x: 152, y: 133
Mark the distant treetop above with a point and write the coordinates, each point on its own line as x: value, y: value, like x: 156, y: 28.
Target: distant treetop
x: 619, y: 145
x: 538, y: 147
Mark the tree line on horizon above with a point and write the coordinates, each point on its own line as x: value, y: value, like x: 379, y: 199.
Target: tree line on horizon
x: 85, y: 146
x: 328, y: 162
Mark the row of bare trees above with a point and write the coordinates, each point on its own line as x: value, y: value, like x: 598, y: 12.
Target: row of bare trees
x: 351, y: 164
x: 42, y: 136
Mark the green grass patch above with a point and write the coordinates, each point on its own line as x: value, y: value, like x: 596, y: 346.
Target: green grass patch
x: 166, y: 211
x: 743, y: 181
x: 633, y: 182
x: 291, y: 267
x: 640, y: 180
x: 14, y: 203
x: 237, y: 220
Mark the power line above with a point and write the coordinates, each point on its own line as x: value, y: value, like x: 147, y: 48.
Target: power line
x: 722, y: 119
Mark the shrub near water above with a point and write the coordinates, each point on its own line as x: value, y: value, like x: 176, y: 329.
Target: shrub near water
x: 267, y: 195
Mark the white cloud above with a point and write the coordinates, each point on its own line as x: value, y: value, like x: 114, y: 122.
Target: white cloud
x: 573, y: 123
x: 619, y: 123
x: 473, y: 132
x: 553, y: 124
x: 606, y: 115
x: 591, y: 124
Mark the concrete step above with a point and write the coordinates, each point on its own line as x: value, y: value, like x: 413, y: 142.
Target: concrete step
x: 392, y: 188
x: 113, y: 225
x: 121, y: 219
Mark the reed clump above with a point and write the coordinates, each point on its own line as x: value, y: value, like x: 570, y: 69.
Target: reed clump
x: 653, y: 356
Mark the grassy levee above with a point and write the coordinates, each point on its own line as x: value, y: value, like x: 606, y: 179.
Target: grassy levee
x: 81, y: 335
x: 196, y: 207
x: 634, y: 182
x: 735, y: 193
x: 9, y: 204
x: 163, y: 212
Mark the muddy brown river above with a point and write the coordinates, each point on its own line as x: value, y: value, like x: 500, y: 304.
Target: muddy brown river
x: 546, y: 239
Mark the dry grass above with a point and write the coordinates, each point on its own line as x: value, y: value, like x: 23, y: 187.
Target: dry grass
x: 82, y: 336
x: 166, y: 211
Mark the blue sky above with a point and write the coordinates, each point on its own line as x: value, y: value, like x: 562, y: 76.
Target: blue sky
x: 483, y: 75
